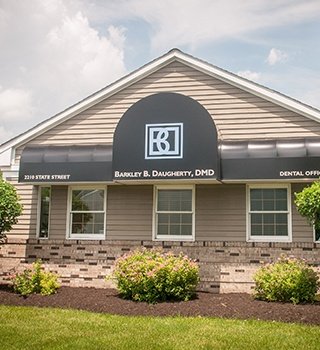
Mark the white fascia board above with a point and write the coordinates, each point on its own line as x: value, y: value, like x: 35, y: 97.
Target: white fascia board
x: 254, y: 88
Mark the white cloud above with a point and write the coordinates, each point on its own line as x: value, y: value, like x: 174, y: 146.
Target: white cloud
x: 195, y: 23
x: 14, y: 104
x: 51, y: 57
x: 276, y: 56
x: 248, y: 74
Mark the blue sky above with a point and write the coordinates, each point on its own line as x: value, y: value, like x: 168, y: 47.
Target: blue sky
x: 54, y: 53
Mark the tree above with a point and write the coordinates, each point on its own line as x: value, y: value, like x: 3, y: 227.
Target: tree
x: 10, y: 207
x: 308, y: 205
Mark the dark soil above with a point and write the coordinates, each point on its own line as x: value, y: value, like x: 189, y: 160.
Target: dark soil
x: 238, y: 306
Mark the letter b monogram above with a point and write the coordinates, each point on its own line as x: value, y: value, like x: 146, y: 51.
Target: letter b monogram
x: 164, y: 141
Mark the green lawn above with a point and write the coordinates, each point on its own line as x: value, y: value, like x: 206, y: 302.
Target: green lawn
x: 39, y: 328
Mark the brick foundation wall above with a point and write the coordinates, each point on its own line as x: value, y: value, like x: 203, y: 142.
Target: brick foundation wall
x: 225, y: 267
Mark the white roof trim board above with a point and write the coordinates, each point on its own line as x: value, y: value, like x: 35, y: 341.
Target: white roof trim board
x: 172, y: 55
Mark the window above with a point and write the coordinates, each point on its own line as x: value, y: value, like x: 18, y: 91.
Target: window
x: 174, y: 213
x: 43, y: 212
x: 316, y: 234
x: 269, y: 217
x: 87, y: 213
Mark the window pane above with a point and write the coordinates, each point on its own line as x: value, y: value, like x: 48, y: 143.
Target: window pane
x: 186, y: 218
x: 281, y: 219
x: 163, y: 218
x: 268, y: 199
x: 269, y: 224
x: 45, y: 194
x: 163, y: 229
x: 256, y: 219
x: 256, y: 230
x: 268, y: 205
x: 256, y: 205
x: 175, y: 230
x: 175, y: 224
x: 281, y: 194
x: 269, y: 230
x: 88, y: 200
x: 256, y: 194
x: 268, y: 194
x: 174, y: 200
x: 281, y: 205
x: 87, y: 223
x: 268, y: 219
x: 186, y: 230
x: 281, y: 230
x: 175, y: 218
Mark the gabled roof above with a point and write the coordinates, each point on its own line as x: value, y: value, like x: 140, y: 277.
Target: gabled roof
x: 172, y: 55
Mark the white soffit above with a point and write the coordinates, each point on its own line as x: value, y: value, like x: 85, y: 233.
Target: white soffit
x: 172, y: 55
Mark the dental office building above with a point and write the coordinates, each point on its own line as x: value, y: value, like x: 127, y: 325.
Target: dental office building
x: 179, y: 154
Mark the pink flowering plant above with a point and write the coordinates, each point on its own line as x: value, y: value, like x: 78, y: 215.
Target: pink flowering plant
x: 153, y: 276
x: 288, y: 279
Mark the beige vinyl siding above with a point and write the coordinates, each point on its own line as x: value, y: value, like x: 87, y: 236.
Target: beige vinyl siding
x: 129, y: 212
x: 220, y: 213
x: 301, y: 230
x: 27, y: 221
x: 58, y: 212
x: 237, y: 113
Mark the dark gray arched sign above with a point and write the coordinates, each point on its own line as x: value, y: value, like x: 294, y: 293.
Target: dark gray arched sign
x: 165, y: 136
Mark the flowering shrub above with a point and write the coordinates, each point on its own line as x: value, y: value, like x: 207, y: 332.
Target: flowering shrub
x: 35, y: 281
x: 288, y: 279
x: 152, y: 276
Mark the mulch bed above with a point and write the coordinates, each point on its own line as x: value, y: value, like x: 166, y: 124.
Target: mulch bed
x: 237, y: 306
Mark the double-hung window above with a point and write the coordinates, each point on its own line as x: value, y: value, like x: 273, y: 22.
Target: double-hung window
x: 44, y: 212
x: 87, y: 213
x: 269, y: 214
x: 174, y: 213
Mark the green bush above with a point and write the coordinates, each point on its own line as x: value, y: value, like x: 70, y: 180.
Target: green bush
x: 308, y: 205
x: 10, y: 208
x: 153, y: 276
x: 35, y: 281
x: 288, y: 279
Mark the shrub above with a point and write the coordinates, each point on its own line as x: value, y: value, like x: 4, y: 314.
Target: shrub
x: 152, y: 276
x: 288, y: 279
x: 35, y: 281
x: 308, y: 205
x: 10, y: 208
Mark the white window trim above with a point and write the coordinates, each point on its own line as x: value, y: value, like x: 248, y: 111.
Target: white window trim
x: 82, y: 236
x: 39, y: 213
x: 314, y: 235
x: 287, y: 238
x: 154, y: 218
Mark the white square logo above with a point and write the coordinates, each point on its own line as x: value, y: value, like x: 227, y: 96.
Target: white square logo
x: 164, y: 141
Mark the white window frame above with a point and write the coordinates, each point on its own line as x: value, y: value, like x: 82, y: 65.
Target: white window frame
x: 39, y: 212
x: 155, y: 213
x: 314, y: 235
x: 287, y: 238
x: 69, y: 221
